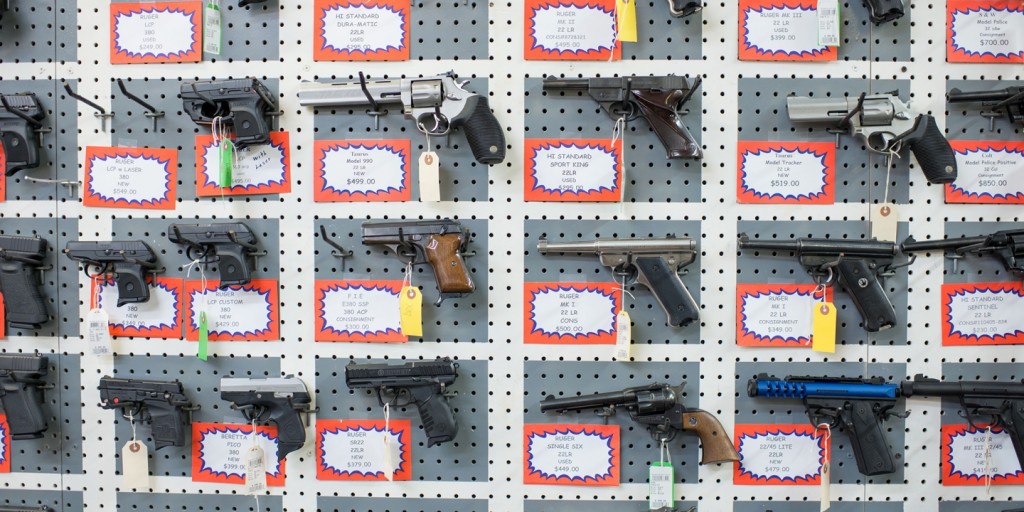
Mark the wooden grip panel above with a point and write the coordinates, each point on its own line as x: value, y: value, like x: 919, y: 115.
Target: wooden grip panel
x: 442, y: 252
x: 716, y: 446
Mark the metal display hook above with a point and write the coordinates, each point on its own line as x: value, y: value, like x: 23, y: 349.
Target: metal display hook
x: 339, y: 251
x: 101, y: 113
x: 152, y: 111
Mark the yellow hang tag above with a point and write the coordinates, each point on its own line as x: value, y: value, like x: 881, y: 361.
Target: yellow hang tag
x: 625, y: 11
x: 823, y: 337
x: 410, y: 307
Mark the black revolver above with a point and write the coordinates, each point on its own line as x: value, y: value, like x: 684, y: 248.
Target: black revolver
x: 1007, y: 245
x: 21, y: 384
x: 274, y: 400
x: 245, y: 104
x: 129, y: 262
x: 20, y: 119
x: 161, y: 403
x: 228, y: 244
x: 21, y: 259
x: 421, y: 382
x: 1008, y: 101
x: 858, y: 265
x: 658, y: 99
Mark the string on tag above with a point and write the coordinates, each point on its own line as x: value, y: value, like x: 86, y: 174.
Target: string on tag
x: 894, y: 153
x: 619, y: 134
x: 204, y: 325
x: 828, y: 439
x: 626, y: 291
x: 407, y: 278
x: 988, y: 460
x: 664, y: 454
x: 255, y: 443
x: 825, y: 501
x: 131, y: 420
x: 97, y: 281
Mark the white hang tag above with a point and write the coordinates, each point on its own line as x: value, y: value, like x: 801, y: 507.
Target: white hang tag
x: 97, y: 332
x: 255, y: 470
x: 430, y: 177
x: 828, y: 23
x: 390, y: 462
x: 211, y: 27
x: 623, y: 335
x: 135, y: 465
x: 884, y: 221
x: 826, y: 470
x: 661, y: 477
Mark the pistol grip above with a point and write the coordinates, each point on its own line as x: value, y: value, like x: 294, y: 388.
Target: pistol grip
x: 680, y: 8
x: 168, y: 424
x: 233, y: 265
x: 932, y: 150
x: 131, y: 283
x: 869, y: 445
x: 658, y: 108
x: 716, y: 447
x: 23, y: 299
x: 20, y: 147
x: 884, y: 10
x: 22, y: 405
x: 1012, y: 421
x: 251, y: 127
x: 435, y: 413
x: 484, y: 133
x: 663, y: 281
x: 442, y: 252
x: 291, y: 431
x: 861, y: 283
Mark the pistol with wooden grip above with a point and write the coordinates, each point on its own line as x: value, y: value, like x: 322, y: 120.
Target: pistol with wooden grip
x: 439, y: 243
x: 657, y: 407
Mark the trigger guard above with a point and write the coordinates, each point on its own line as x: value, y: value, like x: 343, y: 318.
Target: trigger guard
x: 886, y: 139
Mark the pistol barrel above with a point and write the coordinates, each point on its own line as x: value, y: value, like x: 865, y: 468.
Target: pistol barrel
x: 958, y: 96
x: 566, y: 84
x: 655, y: 245
x: 822, y: 246
x: 349, y: 93
x: 950, y: 244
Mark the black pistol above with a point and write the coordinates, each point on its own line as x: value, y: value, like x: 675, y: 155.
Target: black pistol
x: 228, y: 244
x: 21, y: 259
x: 21, y: 384
x: 163, y: 404
x: 274, y: 400
x: 20, y: 118
x: 129, y: 262
x: 243, y: 104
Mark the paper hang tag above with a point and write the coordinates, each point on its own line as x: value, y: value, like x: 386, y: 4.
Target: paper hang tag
x: 430, y: 177
x: 227, y: 162
x: 204, y: 336
x: 661, y: 477
x: 410, y: 308
x: 255, y: 470
x: 826, y: 481
x: 390, y: 455
x: 623, y: 335
x: 828, y: 23
x: 625, y: 20
x: 211, y: 27
x: 823, y: 334
x: 97, y: 332
x: 884, y: 222
x: 135, y: 465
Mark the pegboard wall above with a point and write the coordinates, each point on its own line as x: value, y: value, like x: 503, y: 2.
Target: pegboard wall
x: 76, y: 465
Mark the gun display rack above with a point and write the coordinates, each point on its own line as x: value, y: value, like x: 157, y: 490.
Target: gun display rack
x: 500, y: 377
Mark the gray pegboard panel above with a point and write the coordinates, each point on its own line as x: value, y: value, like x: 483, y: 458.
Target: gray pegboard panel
x: 52, y: 278
x: 193, y: 502
x: 65, y: 128
x: 67, y: 294
x: 60, y: 448
x: 59, y: 501
x: 353, y: 504
x: 175, y: 130
x: 593, y: 506
x: 67, y: 33
x: 663, y: 37
x: 248, y: 34
x: 461, y: 320
x: 984, y: 506
x: 462, y: 177
x: 964, y: 120
x: 201, y: 380
x: 787, y: 505
x: 462, y: 460
x: 975, y: 268
x: 637, y: 447
x: 649, y: 176
x: 791, y: 411
x: 860, y: 174
x: 448, y: 30
x: 784, y: 268
x: 954, y: 369
x: 27, y: 32
x: 648, y: 318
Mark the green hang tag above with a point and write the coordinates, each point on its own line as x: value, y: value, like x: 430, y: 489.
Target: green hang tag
x: 227, y: 161
x: 661, y: 478
x: 212, y: 28
x: 204, y: 336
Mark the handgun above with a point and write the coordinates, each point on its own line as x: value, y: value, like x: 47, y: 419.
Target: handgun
x: 244, y: 104
x: 884, y: 11
x: 653, y: 262
x: 21, y: 384
x: 21, y: 259
x: 9, y: 508
x: 163, y: 404
x: 1007, y: 245
x: 420, y: 382
x: 441, y: 243
x: 228, y: 244
x: 859, y: 266
x: 885, y: 124
x: 656, y: 407
x: 129, y: 262
x: 858, y: 405
x: 435, y: 103
x: 680, y: 8
x: 658, y: 99
x: 279, y: 401
x: 1008, y: 102
x: 20, y: 120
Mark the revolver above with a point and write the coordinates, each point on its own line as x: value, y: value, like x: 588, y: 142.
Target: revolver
x: 244, y: 104
x: 21, y: 385
x: 273, y: 400
x: 228, y: 244
x: 441, y: 243
x: 435, y: 103
x: 20, y: 120
x: 129, y: 262
x: 1007, y: 245
x: 160, y: 403
x: 652, y: 262
x: 420, y: 382
x: 21, y: 260
x: 1009, y: 101
x: 658, y: 99
x: 885, y: 124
